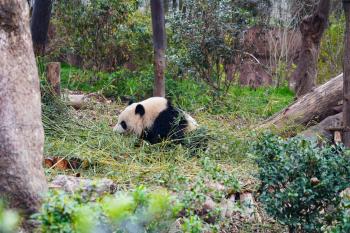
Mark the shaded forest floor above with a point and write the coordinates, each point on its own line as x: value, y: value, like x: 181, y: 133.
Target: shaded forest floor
x: 86, y: 135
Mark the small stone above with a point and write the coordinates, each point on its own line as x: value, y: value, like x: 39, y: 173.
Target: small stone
x: 248, y: 205
x: 228, y: 207
x: 209, y: 205
x: 314, y: 181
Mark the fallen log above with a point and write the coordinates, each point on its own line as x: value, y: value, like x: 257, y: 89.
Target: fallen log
x: 312, y: 107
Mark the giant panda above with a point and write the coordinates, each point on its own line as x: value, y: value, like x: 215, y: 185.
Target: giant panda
x: 154, y: 120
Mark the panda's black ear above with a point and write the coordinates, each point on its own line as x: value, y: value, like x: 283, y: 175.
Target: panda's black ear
x: 140, y: 110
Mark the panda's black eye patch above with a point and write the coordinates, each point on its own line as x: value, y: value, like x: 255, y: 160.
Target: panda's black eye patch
x: 123, y: 124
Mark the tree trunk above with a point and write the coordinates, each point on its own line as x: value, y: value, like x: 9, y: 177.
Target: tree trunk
x: 175, y: 5
x: 314, y: 106
x: 166, y: 6
x: 346, y: 86
x: 312, y: 28
x: 159, y: 44
x: 22, y: 179
x: 40, y: 24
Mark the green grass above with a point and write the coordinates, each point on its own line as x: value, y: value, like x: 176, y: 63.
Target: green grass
x: 189, y: 94
x: 87, y: 134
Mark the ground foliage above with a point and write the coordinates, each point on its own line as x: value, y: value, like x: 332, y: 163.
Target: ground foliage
x: 137, y: 211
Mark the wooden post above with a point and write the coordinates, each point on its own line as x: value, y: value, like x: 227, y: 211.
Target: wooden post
x: 159, y: 44
x: 54, y: 77
x: 346, y: 80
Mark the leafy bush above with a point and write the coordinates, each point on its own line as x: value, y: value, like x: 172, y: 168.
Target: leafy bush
x: 206, y: 35
x: 9, y: 219
x: 124, y: 212
x: 300, y: 181
x: 342, y: 224
x: 102, y: 34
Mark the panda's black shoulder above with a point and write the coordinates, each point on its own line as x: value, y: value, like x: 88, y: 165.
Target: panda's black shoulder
x: 168, y: 123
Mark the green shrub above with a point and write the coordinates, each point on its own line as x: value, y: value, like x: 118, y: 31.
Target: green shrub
x: 140, y: 209
x: 206, y: 36
x: 300, y: 181
x: 102, y: 34
x: 342, y: 224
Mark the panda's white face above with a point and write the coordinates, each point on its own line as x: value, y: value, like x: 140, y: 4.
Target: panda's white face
x: 129, y: 121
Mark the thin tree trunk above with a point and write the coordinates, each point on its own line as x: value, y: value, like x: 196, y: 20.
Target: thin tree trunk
x: 159, y: 44
x: 346, y: 85
x: 166, y: 6
x: 40, y: 24
x: 22, y: 179
x: 312, y: 29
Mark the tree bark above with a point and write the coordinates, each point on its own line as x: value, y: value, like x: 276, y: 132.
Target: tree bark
x: 314, y: 106
x: 346, y: 86
x: 159, y: 44
x: 22, y: 179
x: 40, y: 25
x: 175, y: 5
x: 312, y: 28
x: 54, y: 78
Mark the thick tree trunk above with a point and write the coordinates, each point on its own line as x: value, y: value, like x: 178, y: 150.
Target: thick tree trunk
x: 346, y: 89
x: 159, y: 44
x: 312, y: 29
x: 314, y: 106
x: 22, y: 179
x: 40, y: 24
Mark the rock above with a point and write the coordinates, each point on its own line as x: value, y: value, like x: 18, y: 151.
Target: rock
x: 216, y: 186
x: 76, y: 101
x: 254, y: 75
x: 248, y: 205
x: 73, y: 184
x: 228, y: 207
x: 209, y: 205
x: 205, y: 212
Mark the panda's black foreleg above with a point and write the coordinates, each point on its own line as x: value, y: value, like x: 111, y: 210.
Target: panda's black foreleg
x: 151, y: 137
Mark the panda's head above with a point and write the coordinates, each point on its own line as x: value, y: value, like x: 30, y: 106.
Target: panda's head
x: 139, y: 116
